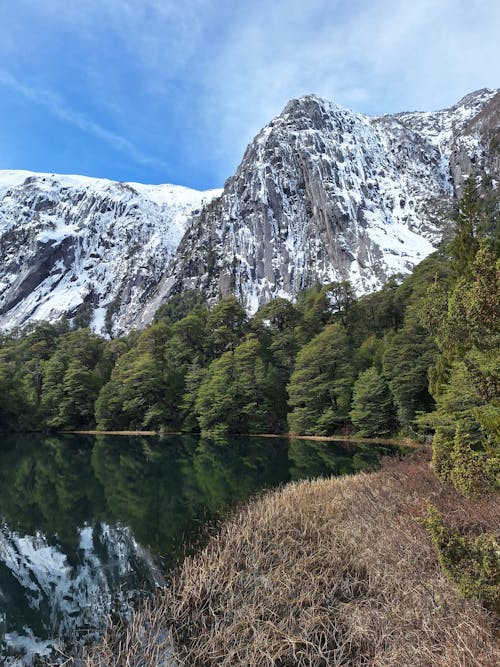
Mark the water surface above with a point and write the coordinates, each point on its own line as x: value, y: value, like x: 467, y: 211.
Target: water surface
x: 90, y: 523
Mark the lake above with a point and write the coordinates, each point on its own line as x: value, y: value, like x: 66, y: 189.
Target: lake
x: 90, y: 524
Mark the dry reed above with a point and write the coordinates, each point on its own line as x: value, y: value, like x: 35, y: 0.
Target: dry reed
x: 319, y: 573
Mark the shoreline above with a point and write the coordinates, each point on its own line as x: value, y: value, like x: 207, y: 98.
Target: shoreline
x: 284, y: 436
x: 309, y: 569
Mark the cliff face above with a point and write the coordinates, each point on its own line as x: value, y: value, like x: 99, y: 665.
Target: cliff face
x: 84, y: 247
x: 325, y: 194
x: 322, y: 194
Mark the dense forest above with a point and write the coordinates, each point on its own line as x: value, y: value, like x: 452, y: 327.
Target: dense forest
x: 418, y: 358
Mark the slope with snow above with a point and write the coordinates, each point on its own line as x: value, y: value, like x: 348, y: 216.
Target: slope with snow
x: 325, y: 194
x: 78, y: 246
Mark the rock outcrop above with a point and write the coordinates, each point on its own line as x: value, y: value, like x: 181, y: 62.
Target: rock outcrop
x: 322, y: 194
x: 325, y: 194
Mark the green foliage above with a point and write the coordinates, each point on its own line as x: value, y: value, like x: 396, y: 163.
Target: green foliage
x: 472, y: 563
x: 407, y: 358
x: 133, y: 396
x: 373, y: 412
x: 240, y: 393
x: 473, y: 472
x: 315, y: 312
x: 464, y: 245
x: 71, y: 380
x: 321, y: 384
x: 226, y: 327
x: 178, y: 306
x: 466, y: 378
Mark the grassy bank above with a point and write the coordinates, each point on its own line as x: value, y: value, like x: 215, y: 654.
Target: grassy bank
x: 327, y: 572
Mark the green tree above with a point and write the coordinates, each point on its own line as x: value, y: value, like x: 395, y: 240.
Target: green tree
x: 465, y: 244
x: 466, y: 377
x: 321, y: 384
x: 408, y: 356
x: 241, y: 393
x: 226, y: 327
x: 72, y: 377
x: 373, y: 412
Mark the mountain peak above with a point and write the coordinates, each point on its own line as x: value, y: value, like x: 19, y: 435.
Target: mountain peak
x: 322, y: 194
x: 314, y: 108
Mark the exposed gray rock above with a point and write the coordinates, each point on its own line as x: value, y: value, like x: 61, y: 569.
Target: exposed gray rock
x: 326, y: 194
x: 80, y: 246
x: 322, y: 194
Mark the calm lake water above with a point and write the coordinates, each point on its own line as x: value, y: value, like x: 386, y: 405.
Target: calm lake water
x: 88, y: 524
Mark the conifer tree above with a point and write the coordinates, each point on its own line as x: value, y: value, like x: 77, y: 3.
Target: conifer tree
x: 373, y: 412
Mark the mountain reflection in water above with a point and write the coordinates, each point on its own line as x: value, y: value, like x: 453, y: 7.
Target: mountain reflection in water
x: 88, y: 524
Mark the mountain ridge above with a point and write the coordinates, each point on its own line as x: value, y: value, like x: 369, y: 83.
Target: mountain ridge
x: 325, y: 194
x: 321, y: 194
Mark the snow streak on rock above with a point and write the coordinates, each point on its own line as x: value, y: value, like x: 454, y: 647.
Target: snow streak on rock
x: 71, y: 244
x: 325, y: 194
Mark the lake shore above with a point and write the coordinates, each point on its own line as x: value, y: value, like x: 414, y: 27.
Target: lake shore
x: 338, y: 571
x: 405, y: 442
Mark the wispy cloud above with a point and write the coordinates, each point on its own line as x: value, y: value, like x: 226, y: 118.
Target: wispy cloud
x: 194, y: 81
x: 54, y: 103
x: 375, y: 57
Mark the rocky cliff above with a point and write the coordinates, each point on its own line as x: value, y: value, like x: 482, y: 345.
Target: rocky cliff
x: 325, y: 194
x: 322, y: 194
x: 85, y: 248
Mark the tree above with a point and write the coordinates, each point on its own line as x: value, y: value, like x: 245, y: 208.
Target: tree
x: 466, y: 447
x: 408, y: 356
x: 72, y: 377
x: 80, y: 389
x: 226, y: 327
x: 321, y: 384
x: 241, y: 393
x: 464, y: 245
x: 373, y: 412
x: 133, y: 396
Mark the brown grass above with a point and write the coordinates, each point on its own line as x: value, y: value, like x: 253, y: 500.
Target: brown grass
x: 322, y: 573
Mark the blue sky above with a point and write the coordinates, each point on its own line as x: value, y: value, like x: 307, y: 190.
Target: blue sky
x: 164, y: 91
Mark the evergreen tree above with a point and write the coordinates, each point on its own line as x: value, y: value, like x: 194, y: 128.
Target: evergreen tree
x: 408, y: 356
x: 465, y: 244
x: 241, y: 393
x: 373, y: 412
x: 321, y: 384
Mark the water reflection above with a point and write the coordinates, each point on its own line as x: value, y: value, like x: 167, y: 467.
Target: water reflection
x: 86, y: 519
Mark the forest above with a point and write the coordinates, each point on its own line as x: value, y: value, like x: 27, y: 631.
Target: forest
x: 418, y: 358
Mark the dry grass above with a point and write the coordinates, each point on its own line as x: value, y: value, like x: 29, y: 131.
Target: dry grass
x: 325, y: 573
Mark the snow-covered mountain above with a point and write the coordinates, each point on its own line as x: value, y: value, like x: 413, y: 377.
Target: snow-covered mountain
x: 322, y: 194
x: 325, y: 194
x: 57, y: 593
x: 71, y: 245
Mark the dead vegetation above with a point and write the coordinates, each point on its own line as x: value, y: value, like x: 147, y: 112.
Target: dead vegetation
x: 321, y: 573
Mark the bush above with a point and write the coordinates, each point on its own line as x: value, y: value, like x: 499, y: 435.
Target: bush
x: 472, y: 563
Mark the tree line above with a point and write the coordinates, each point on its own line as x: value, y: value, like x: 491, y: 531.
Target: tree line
x: 419, y: 357
x: 328, y: 363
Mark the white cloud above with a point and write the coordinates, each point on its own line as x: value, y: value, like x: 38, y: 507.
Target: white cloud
x: 375, y: 57
x: 200, y: 78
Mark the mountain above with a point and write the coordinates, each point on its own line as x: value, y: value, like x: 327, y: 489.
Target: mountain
x: 325, y: 194
x: 322, y: 194
x: 85, y: 247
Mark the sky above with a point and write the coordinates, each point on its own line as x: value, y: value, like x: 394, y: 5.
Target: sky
x: 164, y: 91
